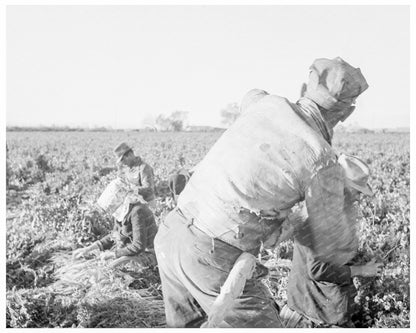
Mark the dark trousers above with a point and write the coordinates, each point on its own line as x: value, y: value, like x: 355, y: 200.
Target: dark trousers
x: 193, y: 267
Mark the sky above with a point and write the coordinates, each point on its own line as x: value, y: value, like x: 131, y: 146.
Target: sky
x: 121, y: 66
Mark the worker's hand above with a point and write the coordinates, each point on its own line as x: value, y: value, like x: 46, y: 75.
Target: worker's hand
x: 372, y: 268
x: 83, y: 251
x: 79, y: 253
x: 107, y: 255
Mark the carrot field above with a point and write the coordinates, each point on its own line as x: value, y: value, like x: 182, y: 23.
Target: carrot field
x: 54, y: 178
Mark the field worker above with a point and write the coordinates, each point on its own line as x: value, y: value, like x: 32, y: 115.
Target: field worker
x: 177, y: 182
x: 275, y: 155
x: 135, y: 230
x: 136, y: 172
x: 318, y: 292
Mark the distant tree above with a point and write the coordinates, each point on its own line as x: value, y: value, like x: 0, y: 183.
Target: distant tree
x: 162, y: 122
x: 230, y: 114
x: 178, y: 119
x: 174, y: 122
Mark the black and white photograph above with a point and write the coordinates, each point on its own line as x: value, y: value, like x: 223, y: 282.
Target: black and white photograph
x: 207, y: 165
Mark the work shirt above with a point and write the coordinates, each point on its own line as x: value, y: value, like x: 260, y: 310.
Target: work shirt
x: 140, y: 181
x: 267, y: 161
x: 318, y: 290
x: 141, y: 177
x: 133, y: 235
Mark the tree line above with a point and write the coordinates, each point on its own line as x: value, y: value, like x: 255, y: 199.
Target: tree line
x: 177, y: 121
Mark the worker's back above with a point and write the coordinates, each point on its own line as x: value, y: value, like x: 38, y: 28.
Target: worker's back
x: 262, y: 163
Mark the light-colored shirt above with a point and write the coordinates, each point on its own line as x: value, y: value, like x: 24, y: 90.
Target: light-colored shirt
x: 141, y: 179
x: 141, y: 188
x: 269, y: 160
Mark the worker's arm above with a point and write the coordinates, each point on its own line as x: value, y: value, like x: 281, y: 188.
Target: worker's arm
x: 322, y: 271
x: 107, y: 242
x: 146, y: 189
x: 330, y: 229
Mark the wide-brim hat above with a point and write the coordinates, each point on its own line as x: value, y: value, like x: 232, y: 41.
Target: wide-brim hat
x: 367, y: 190
x: 356, y: 173
x: 121, y: 150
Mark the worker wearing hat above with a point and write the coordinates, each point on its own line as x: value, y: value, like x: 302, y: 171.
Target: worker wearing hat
x: 320, y: 293
x: 275, y: 155
x: 136, y: 171
x: 135, y: 226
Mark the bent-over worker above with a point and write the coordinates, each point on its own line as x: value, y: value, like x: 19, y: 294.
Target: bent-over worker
x: 275, y: 155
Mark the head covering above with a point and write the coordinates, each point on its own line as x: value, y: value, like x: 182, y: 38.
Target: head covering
x: 356, y: 172
x: 334, y: 85
x: 121, y: 150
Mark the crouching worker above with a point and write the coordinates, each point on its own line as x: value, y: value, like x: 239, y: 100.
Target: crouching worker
x: 127, y: 198
x: 177, y: 182
x: 321, y: 293
x: 276, y: 154
x: 131, y: 239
